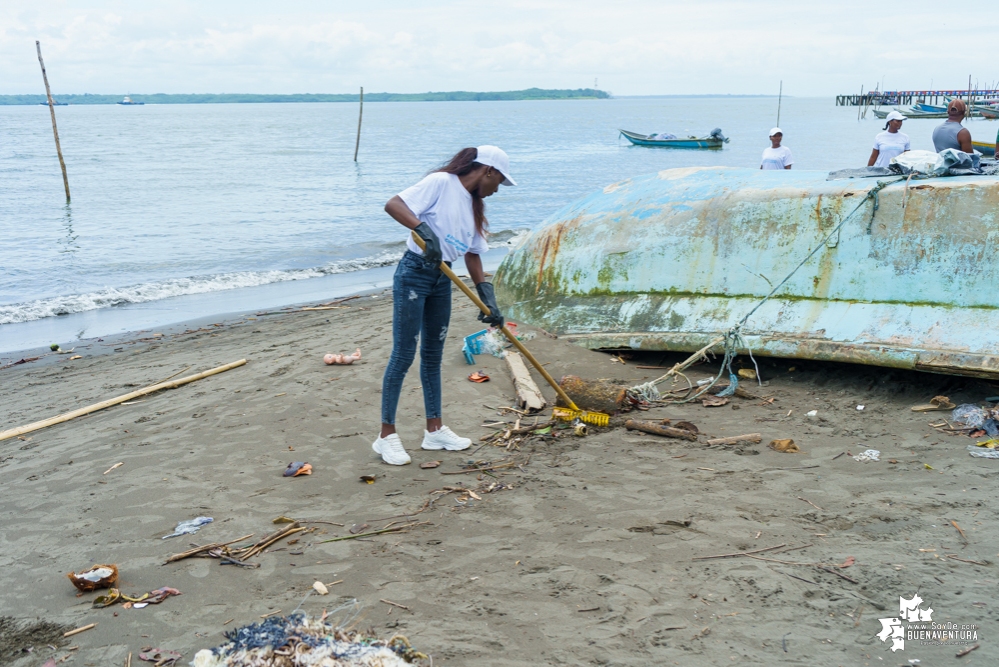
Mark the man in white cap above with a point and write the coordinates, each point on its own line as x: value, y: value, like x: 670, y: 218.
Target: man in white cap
x: 890, y: 143
x: 777, y: 156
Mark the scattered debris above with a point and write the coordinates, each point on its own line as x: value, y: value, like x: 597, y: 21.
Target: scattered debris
x: 657, y: 428
x: 342, y: 359
x: 67, y: 416
x: 204, y: 550
x: 785, y: 445
x: 983, y: 453
x: 426, y: 465
x: 860, y: 408
x: 529, y: 396
x: 713, y: 401
x: 479, y: 377
x: 368, y: 479
x: 964, y: 652
x: 298, y: 641
x: 599, y: 395
x: 390, y: 529
x: 850, y: 560
x: 161, y: 656
x: 98, y: 576
x: 736, y: 439
x: 320, y: 588
x: 189, y: 527
x: 810, y: 503
x: 936, y: 403
x: 747, y: 373
x: 963, y: 536
x: 116, y: 465
x: 89, y: 626
x: 297, y: 468
x: 868, y: 455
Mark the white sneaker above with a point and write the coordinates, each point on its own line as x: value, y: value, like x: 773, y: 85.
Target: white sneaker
x: 391, y: 450
x: 445, y: 438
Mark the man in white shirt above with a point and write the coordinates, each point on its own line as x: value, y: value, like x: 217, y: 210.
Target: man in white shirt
x: 777, y: 156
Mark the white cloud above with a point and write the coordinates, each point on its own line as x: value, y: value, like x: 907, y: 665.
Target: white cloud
x: 111, y: 46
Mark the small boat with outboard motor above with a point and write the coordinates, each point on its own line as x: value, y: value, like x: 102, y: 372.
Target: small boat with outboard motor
x: 666, y: 140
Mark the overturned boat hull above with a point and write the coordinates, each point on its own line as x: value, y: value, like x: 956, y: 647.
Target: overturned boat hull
x: 669, y: 261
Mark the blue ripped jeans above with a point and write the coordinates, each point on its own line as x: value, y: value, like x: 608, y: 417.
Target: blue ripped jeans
x: 421, y: 312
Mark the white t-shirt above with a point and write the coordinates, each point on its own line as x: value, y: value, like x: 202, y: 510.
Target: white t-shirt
x: 777, y: 158
x: 441, y: 201
x: 890, y: 145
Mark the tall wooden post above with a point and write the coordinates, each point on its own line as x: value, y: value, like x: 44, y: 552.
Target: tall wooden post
x: 780, y: 94
x: 360, y: 116
x: 55, y: 130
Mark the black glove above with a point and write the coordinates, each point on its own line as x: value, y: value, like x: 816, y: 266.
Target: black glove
x: 495, y: 317
x: 432, y: 253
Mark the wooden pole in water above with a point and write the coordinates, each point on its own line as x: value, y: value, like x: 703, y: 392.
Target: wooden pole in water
x: 55, y: 130
x: 860, y: 101
x: 780, y: 94
x: 360, y: 116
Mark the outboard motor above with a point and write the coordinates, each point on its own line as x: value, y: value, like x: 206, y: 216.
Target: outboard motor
x: 717, y: 134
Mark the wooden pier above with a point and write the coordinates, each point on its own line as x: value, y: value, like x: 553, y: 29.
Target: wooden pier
x: 896, y: 97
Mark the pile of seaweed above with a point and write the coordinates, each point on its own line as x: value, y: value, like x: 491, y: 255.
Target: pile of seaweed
x: 298, y: 641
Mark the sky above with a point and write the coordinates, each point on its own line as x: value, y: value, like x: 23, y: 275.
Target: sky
x: 654, y: 47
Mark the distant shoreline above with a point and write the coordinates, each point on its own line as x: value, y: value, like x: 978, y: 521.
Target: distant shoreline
x: 250, y: 98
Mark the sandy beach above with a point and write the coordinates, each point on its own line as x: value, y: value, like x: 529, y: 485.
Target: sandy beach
x: 588, y: 559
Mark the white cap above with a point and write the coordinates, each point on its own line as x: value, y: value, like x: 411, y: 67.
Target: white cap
x: 894, y: 115
x: 495, y: 157
x: 775, y: 130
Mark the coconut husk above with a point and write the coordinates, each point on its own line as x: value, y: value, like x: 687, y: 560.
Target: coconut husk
x: 599, y: 395
x: 86, y: 586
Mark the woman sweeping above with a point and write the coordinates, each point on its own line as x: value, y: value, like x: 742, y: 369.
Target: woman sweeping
x: 447, y: 211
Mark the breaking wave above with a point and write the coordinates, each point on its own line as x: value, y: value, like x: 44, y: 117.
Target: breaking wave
x: 110, y: 297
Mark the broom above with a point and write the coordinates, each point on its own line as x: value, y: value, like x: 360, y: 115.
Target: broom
x: 567, y: 413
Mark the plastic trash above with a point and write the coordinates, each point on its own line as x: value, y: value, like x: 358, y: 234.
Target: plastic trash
x: 969, y: 415
x: 983, y: 452
x: 868, y: 455
x: 190, y: 526
x: 96, y: 574
x: 473, y: 346
x: 297, y: 468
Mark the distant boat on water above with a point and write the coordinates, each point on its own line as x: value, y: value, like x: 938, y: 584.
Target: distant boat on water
x: 129, y: 103
x: 55, y: 103
x: 715, y: 140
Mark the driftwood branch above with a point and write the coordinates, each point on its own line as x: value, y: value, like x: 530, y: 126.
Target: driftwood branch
x: 656, y: 428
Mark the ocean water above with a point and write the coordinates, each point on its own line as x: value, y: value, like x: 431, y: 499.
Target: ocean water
x: 188, y: 210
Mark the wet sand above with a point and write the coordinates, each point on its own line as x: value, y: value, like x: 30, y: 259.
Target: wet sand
x: 588, y: 559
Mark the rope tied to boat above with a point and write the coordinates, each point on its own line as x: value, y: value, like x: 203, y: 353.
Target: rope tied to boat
x: 732, y: 340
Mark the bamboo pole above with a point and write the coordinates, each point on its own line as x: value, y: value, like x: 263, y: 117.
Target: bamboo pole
x: 21, y: 430
x: 55, y: 130
x: 513, y: 339
x: 360, y: 116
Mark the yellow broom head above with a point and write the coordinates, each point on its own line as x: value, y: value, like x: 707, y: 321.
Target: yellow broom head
x: 568, y: 414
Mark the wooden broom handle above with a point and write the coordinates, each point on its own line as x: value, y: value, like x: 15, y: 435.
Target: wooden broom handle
x: 509, y: 334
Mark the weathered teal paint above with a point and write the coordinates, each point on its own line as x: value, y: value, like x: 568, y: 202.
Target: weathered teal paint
x: 669, y: 260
